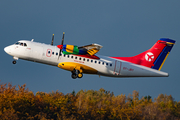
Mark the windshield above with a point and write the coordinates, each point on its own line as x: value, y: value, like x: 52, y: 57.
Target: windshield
x: 17, y: 43
x: 20, y: 43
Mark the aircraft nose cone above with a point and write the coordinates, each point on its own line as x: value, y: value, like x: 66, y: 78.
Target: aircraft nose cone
x: 7, y: 49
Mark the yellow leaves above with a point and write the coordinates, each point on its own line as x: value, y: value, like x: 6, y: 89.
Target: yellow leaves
x: 62, y: 100
x: 20, y: 103
x: 8, y: 114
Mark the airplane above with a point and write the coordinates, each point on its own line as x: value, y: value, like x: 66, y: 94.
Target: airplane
x: 83, y: 60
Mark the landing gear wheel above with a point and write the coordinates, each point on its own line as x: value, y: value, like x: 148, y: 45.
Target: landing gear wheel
x: 74, y: 76
x: 80, y: 75
x: 14, y: 62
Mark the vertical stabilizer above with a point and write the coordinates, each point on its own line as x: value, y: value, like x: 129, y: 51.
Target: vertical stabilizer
x: 155, y: 56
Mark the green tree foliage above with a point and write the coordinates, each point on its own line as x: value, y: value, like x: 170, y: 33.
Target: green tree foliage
x: 20, y: 103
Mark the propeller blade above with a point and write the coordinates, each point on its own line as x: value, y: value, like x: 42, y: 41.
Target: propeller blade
x: 62, y: 39
x: 52, y: 40
x: 60, y: 53
x: 61, y: 45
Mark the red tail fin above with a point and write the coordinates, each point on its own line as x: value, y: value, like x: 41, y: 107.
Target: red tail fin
x: 154, y: 57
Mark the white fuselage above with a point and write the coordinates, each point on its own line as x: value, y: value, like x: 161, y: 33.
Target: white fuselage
x: 106, y: 66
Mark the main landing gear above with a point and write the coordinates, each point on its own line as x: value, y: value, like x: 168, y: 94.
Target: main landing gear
x: 76, y: 74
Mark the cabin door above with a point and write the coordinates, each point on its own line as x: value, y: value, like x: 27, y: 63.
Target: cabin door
x: 117, y: 67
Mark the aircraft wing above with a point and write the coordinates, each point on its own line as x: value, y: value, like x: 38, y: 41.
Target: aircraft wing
x: 91, y: 49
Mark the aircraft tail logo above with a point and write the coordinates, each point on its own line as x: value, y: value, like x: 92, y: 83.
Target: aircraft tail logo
x: 149, y: 56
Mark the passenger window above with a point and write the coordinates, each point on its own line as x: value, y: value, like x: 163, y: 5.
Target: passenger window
x: 53, y: 53
x: 106, y: 63
x: 21, y: 44
x: 103, y: 63
x: 110, y: 64
x: 87, y: 60
x: 91, y: 60
x: 56, y: 53
x: 79, y: 58
x: 49, y: 52
x: 64, y: 55
x: 72, y: 57
x: 95, y: 61
x: 68, y: 56
x: 84, y: 59
x: 99, y: 62
x: 75, y: 57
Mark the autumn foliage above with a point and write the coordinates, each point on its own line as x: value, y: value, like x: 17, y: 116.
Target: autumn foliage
x: 20, y: 103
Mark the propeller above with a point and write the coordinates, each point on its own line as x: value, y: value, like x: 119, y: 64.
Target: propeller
x: 52, y: 39
x: 61, y: 46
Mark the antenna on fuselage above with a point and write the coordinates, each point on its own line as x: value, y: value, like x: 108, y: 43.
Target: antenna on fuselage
x: 52, y: 39
x: 32, y: 40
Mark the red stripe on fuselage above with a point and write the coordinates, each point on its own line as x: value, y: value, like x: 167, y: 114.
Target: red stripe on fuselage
x: 89, y: 56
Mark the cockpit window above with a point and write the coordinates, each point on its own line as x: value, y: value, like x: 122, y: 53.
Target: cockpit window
x: 22, y: 44
x: 17, y: 43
